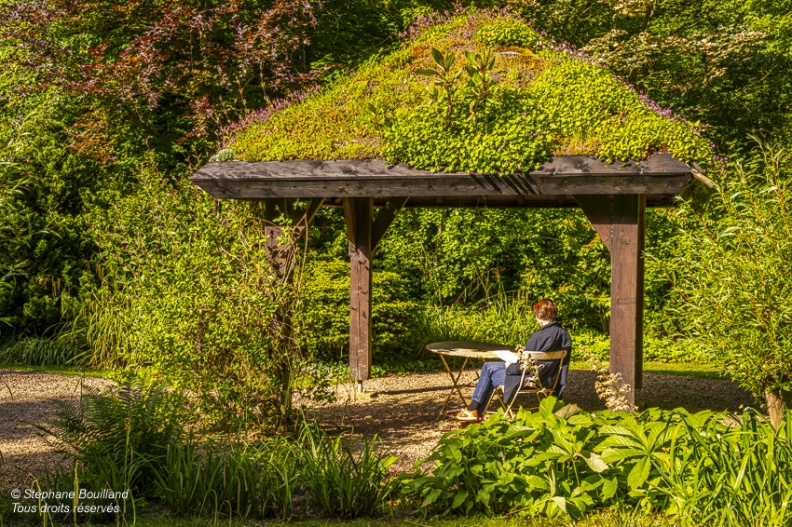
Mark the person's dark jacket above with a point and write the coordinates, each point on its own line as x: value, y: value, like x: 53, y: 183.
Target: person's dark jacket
x: 552, y: 337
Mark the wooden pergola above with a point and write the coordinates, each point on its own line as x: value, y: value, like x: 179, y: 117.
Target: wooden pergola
x: 613, y: 197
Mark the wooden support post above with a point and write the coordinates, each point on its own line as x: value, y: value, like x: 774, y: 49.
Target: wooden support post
x: 627, y: 288
x: 359, y: 215
x: 273, y: 209
x: 280, y: 248
x: 620, y: 222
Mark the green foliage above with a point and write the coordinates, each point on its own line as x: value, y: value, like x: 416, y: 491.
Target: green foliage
x: 67, y: 347
x: 504, y: 319
x: 258, y: 480
x: 731, y: 476
x: 87, y: 93
x: 560, y: 461
x: 340, y: 483
x: 504, y: 118
x: 193, y: 299
x: 723, y: 63
x: 655, y: 349
x: 276, y: 477
x: 540, y: 254
x: 508, y: 32
x: 46, y: 251
x: 120, y: 436
x: 347, y: 32
x: 734, y: 275
x: 132, y: 437
x: 326, y: 312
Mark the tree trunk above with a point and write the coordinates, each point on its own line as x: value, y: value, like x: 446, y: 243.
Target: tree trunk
x: 775, y: 408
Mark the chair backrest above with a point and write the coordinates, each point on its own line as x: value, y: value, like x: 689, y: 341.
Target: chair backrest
x: 546, y: 355
x: 540, y: 356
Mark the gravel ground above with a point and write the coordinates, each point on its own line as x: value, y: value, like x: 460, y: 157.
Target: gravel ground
x: 405, y: 411
x: 25, y: 402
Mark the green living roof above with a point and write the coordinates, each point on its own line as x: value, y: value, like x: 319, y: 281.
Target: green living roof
x: 508, y: 100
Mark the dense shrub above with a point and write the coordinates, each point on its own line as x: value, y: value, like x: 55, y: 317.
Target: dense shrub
x: 540, y: 253
x: 47, y: 254
x: 86, y: 93
x: 696, y: 469
x: 135, y: 437
x: 562, y: 461
x: 508, y: 319
x: 733, y: 277
x: 190, y: 296
x: 326, y: 312
x: 118, y: 437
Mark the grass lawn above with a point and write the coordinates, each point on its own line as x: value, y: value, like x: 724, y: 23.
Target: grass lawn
x: 605, y: 518
x: 684, y: 369
x: 63, y: 370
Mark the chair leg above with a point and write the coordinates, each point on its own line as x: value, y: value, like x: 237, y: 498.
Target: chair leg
x: 497, y: 391
x: 507, y: 408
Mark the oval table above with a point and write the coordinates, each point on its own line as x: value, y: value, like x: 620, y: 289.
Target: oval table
x: 470, y: 351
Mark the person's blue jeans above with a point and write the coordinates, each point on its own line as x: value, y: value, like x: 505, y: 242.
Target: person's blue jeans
x: 492, y: 374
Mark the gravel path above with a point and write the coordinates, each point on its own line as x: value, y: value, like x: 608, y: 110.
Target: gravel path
x: 404, y: 411
x: 26, y: 401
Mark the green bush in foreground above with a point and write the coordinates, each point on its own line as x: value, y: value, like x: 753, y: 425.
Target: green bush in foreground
x: 118, y: 437
x: 734, y: 284
x: 134, y: 437
x: 561, y: 461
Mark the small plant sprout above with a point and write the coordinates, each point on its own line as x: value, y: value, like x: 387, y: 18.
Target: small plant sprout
x: 609, y: 386
x: 444, y: 80
x: 479, y: 69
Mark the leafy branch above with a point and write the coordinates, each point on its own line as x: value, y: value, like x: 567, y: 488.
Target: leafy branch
x: 479, y: 70
x: 444, y: 80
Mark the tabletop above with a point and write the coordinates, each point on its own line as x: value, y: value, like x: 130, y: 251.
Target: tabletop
x: 467, y: 349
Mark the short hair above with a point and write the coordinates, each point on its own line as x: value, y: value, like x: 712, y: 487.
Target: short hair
x: 545, y: 310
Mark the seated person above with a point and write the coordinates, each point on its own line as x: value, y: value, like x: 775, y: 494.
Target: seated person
x: 550, y: 337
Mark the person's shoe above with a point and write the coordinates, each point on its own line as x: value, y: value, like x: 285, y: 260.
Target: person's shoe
x: 467, y: 416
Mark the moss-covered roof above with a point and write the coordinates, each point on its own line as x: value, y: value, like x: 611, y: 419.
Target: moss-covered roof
x: 507, y: 102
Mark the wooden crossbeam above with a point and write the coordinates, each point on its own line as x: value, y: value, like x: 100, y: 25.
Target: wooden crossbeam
x: 660, y: 176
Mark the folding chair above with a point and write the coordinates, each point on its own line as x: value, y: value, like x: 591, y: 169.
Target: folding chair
x: 541, y: 372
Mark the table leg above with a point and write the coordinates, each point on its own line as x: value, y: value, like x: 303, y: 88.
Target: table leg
x: 455, y: 382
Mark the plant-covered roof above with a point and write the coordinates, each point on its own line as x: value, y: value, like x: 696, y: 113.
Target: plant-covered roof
x: 475, y: 92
